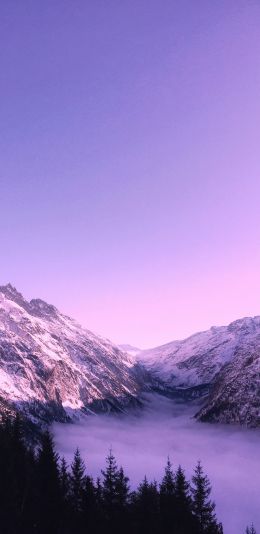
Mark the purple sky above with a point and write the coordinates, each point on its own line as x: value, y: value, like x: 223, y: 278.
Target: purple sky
x: 130, y: 184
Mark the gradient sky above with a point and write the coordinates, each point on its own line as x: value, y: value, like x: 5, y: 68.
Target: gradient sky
x: 130, y: 159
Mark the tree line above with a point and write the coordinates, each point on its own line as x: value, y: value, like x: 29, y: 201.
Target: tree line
x: 41, y: 494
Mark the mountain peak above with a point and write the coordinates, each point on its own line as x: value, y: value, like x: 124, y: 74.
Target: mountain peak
x: 9, y: 289
x: 36, y: 307
x: 11, y: 293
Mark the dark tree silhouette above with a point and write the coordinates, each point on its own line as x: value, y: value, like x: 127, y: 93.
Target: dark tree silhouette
x: 48, y: 487
x: 167, y: 499
x: 146, y: 505
x: 184, y: 518
x: 77, y: 481
x: 109, y: 484
x: 77, y: 494
x: 203, y: 507
x: 40, y: 494
x: 65, y: 485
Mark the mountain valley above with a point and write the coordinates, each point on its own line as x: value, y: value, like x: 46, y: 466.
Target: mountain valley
x: 52, y: 369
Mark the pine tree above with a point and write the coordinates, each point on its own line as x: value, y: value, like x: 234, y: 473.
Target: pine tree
x: 122, y: 490
x: 203, y: 507
x: 77, y: 482
x: 167, y: 486
x: 30, y: 493
x: 64, y: 479
x: 250, y: 530
x: 183, y: 517
x: 89, y: 505
x: 100, y: 517
x: 110, y: 476
x: 146, y: 507
x: 167, y: 498
x: 121, y: 506
x: 66, y: 508
x: 49, y: 496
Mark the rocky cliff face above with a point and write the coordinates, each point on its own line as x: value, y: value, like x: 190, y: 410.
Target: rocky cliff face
x: 51, y: 368
x: 235, y: 395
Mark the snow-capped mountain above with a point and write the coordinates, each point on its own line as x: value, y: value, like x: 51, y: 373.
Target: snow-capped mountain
x: 52, y: 368
x: 222, y: 364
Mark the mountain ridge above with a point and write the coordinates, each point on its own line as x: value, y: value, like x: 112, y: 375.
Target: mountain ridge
x: 219, y: 364
x: 52, y: 368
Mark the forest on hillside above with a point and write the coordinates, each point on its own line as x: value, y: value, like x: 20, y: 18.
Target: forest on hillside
x: 40, y: 494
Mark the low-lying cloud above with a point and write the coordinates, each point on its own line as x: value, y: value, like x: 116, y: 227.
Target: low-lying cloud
x: 141, y: 443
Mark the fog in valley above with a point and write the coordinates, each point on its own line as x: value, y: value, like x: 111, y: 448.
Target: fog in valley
x: 141, y: 443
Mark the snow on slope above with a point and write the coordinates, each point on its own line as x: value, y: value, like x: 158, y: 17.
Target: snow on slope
x: 198, y: 359
x: 226, y: 359
x: 235, y: 396
x: 51, y: 367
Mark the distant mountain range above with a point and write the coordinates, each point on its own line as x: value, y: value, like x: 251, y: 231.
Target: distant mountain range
x: 221, y: 365
x: 52, y: 369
